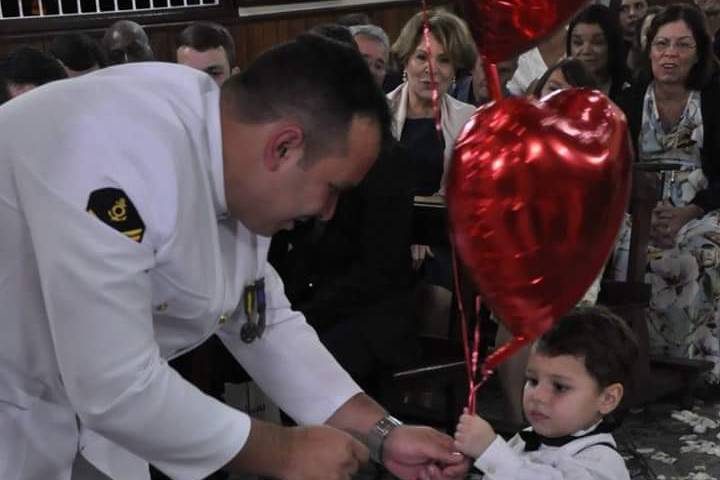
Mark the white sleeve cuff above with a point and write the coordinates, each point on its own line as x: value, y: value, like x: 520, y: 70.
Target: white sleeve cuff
x: 499, y: 460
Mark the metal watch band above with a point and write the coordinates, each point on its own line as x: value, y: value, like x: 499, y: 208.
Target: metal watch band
x: 376, y: 437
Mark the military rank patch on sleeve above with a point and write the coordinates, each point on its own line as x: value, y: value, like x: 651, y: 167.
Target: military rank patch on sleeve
x: 114, y: 208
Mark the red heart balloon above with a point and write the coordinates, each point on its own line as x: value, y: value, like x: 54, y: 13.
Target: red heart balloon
x: 506, y: 28
x: 536, y: 195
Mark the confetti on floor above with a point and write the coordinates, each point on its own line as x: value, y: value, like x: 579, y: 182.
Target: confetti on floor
x: 699, y: 423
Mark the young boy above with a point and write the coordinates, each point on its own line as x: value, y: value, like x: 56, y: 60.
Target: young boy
x: 576, y: 375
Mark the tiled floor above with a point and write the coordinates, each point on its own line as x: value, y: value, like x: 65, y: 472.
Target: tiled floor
x: 661, y: 442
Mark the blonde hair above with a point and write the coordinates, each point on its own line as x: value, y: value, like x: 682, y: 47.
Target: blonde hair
x: 448, y: 29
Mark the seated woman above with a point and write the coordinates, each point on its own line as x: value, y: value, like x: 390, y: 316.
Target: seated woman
x: 674, y: 119
x: 595, y: 39
x: 567, y: 73
x: 411, y: 105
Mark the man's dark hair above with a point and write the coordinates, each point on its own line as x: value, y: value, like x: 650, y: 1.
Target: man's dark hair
x: 352, y: 19
x: 336, y: 32
x: 320, y: 83
x: 607, y: 21
x: 202, y: 36
x: 602, y: 339
x: 78, y: 51
x: 28, y: 65
x: 574, y: 71
x: 702, y: 72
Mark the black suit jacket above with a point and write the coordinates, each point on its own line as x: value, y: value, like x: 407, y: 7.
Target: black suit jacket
x: 357, y: 266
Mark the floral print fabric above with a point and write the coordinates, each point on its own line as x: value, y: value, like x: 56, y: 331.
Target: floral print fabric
x: 684, y: 308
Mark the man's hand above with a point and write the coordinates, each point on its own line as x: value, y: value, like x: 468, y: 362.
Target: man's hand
x: 299, y: 453
x: 323, y: 453
x: 474, y: 435
x: 667, y: 222
x: 422, y: 453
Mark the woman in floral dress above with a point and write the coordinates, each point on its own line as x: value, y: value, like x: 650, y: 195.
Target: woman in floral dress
x: 673, y: 114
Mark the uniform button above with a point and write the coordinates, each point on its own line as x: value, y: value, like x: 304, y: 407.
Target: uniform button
x: 162, y: 307
x: 223, y: 318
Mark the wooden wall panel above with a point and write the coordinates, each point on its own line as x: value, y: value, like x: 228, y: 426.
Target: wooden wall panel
x: 252, y: 36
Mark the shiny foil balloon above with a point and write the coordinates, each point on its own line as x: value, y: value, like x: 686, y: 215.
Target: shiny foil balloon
x: 506, y: 28
x: 536, y: 195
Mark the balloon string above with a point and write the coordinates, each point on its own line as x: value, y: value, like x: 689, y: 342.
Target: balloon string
x: 433, y: 83
x: 493, y: 80
x: 461, y: 311
x: 471, y: 354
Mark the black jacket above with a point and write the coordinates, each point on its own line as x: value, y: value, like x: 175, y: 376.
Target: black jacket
x: 631, y: 102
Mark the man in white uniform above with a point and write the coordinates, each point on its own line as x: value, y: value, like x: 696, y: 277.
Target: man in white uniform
x: 135, y: 205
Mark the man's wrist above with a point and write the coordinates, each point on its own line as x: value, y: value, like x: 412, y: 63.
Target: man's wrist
x: 377, y: 435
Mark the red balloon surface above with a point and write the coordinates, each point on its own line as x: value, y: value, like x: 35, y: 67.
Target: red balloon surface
x: 536, y: 195
x: 506, y: 28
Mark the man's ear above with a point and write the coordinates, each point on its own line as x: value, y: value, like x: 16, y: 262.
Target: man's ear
x: 234, y: 70
x: 285, y: 146
x: 610, y: 398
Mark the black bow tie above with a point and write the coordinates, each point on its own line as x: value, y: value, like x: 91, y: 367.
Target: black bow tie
x: 533, y: 440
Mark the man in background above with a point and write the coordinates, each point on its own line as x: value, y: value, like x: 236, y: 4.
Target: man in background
x: 373, y: 43
x: 78, y: 53
x: 208, y: 47
x: 126, y: 42
x: 25, y: 68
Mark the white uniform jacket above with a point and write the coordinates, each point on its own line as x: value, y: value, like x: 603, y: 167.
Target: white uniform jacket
x: 91, y: 315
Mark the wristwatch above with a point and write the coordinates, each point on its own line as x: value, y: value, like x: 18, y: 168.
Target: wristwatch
x: 376, y: 437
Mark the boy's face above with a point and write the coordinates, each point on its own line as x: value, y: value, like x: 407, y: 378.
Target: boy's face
x: 560, y: 396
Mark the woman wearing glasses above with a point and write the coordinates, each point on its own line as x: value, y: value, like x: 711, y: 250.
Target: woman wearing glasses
x: 674, y: 122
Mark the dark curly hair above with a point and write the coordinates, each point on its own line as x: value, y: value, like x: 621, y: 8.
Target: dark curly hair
x: 602, y: 339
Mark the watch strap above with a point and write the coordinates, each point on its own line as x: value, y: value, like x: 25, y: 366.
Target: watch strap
x: 377, y: 435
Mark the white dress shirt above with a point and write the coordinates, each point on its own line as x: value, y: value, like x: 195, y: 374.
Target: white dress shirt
x: 530, y: 67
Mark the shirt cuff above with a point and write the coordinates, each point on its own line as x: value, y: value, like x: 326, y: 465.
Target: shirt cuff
x: 498, y: 460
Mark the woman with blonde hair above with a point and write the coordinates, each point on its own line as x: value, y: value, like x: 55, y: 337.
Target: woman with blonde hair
x: 411, y: 104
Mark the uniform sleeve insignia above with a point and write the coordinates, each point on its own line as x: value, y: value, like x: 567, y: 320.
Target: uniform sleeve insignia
x: 114, y: 208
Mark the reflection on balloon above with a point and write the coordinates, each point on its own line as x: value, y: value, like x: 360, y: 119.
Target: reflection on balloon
x: 505, y: 28
x: 536, y: 194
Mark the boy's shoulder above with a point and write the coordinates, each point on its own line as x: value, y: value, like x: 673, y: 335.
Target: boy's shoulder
x: 593, y: 454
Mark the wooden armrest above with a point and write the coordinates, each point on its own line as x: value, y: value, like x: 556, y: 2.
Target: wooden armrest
x: 440, y: 369
x: 618, y: 293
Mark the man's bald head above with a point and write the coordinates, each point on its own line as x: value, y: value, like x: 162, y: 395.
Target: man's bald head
x: 125, y: 41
